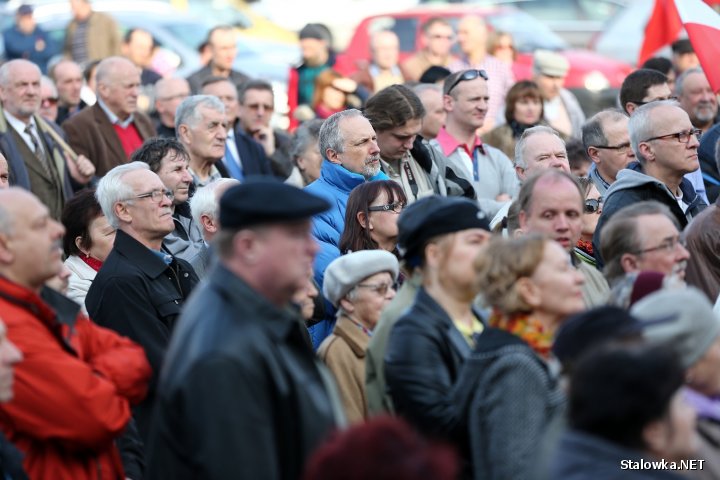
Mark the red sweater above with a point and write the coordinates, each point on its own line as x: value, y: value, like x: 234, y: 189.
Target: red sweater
x: 72, y: 390
x: 129, y: 137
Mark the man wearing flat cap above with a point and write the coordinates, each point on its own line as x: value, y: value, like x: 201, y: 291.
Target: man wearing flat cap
x: 359, y: 284
x: 242, y: 396
x: 562, y: 109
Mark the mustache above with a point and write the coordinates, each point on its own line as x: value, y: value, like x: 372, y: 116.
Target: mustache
x: 372, y: 158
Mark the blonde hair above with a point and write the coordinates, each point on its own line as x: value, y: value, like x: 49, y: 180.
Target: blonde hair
x: 502, y: 264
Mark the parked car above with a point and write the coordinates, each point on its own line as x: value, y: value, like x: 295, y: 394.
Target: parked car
x: 623, y: 35
x: 594, y: 79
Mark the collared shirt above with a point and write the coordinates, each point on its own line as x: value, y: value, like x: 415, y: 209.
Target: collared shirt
x: 114, y: 119
x: 19, y: 127
x: 600, y: 183
x: 214, y: 175
x: 450, y: 145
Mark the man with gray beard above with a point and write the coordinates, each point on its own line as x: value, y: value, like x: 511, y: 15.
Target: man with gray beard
x: 696, y: 97
x: 351, y: 156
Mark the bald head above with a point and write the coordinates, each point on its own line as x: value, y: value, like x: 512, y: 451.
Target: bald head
x: 118, y: 84
x: 68, y: 78
x: 30, y: 240
x: 20, y: 88
x: 169, y: 93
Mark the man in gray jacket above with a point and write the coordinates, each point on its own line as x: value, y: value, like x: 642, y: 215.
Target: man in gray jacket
x: 168, y: 158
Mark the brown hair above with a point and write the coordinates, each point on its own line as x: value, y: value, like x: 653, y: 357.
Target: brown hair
x: 393, y: 107
x: 502, y: 263
x: 355, y: 236
x: 520, y: 91
x: 322, y: 81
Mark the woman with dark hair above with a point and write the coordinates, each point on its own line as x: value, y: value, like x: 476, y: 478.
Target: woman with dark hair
x: 509, y: 390
x: 622, y: 418
x: 87, y: 242
x: 371, y: 217
x: 523, y: 109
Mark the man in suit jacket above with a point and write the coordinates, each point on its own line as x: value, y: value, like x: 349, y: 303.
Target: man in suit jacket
x: 112, y: 129
x: 36, y: 161
x: 243, y: 155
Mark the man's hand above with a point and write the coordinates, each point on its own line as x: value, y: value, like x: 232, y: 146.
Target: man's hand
x: 81, y: 170
x: 266, y: 137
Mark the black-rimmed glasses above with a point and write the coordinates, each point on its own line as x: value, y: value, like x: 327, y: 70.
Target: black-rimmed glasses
x: 467, y: 75
x: 157, y: 195
x: 664, y: 99
x: 396, y: 207
x: 682, y: 137
x: 623, y: 148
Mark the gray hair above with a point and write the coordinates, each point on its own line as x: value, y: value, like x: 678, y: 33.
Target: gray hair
x: 107, y: 67
x: 306, y: 135
x: 205, y: 202
x: 330, y: 135
x: 5, y: 69
x: 188, y: 112
x: 47, y: 81
x: 620, y: 235
x: 680, y: 80
x: 520, y: 146
x: 641, y: 125
x: 111, y: 189
x: 593, y: 131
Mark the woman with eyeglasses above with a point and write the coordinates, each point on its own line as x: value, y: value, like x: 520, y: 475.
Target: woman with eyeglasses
x: 371, y: 217
x: 509, y: 388
x: 591, y: 215
x: 359, y: 285
x: 87, y: 242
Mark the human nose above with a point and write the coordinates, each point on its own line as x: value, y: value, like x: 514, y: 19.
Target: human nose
x: 561, y: 223
x: 681, y: 253
x: 59, y: 229
x: 390, y: 293
x: 409, y: 142
x: 374, y: 147
x: 579, y: 277
x: 187, y: 177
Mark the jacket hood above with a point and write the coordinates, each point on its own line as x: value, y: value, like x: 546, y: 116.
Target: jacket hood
x: 634, y: 176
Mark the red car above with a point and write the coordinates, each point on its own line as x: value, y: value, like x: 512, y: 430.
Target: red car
x: 594, y: 79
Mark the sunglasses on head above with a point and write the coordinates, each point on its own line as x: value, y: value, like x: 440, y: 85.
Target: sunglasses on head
x: 467, y: 75
x: 592, y: 205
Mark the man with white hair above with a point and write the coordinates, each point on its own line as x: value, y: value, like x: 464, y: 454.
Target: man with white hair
x: 665, y: 144
x: 111, y: 130
x: 205, y: 205
x: 140, y: 289
x: 48, y: 99
x: 697, y: 98
x: 383, y: 69
x: 37, y: 161
x: 201, y: 126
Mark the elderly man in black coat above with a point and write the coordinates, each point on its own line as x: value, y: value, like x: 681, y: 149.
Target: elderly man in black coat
x: 242, y: 395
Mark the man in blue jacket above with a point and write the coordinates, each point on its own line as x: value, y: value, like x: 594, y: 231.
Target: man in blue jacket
x: 351, y: 156
x: 28, y: 41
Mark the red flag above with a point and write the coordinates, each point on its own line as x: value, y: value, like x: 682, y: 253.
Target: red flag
x: 662, y: 29
x: 702, y: 24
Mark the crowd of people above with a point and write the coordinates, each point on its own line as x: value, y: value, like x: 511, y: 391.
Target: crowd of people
x: 436, y: 272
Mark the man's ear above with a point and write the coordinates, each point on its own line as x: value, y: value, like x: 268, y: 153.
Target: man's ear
x: 6, y: 253
x: 208, y: 223
x: 122, y: 212
x: 448, y: 103
x: 593, y: 154
x: 183, y: 133
x: 332, y: 155
x: 646, y: 151
x: 522, y: 219
x: 629, y: 263
x: 520, y: 172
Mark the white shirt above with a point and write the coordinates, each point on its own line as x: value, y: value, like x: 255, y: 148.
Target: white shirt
x: 20, y: 126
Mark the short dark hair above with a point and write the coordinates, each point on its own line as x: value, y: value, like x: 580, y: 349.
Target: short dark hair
x: 611, y: 401
x: 434, y: 74
x: 78, y: 214
x: 520, y: 91
x: 682, y: 47
x: 254, y: 84
x: 354, y: 236
x: 635, y: 86
x: 89, y: 69
x: 128, y: 35
x: 661, y: 64
x: 576, y: 153
x: 154, y: 150
x: 212, y: 79
x: 393, y: 107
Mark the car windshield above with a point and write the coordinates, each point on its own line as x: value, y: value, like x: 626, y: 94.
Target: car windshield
x: 528, y: 33
x: 190, y: 34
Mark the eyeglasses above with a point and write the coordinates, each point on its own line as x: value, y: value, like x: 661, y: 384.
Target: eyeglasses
x: 682, y: 137
x: 667, y: 246
x: 49, y: 101
x: 467, y: 75
x: 396, y: 207
x: 157, y: 195
x: 623, y: 148
x: 593, y: 205
x: 442, y: 37
x: 379, y: 288
x: 662, y: 99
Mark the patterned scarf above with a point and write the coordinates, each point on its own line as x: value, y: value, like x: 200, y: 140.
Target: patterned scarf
x: 531, y: 330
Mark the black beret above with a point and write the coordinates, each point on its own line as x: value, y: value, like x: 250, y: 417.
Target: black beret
x: 433, y: 216
x: 584, y: 331
x: 265, y: 200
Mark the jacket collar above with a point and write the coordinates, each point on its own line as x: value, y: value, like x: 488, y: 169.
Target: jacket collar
x: 141, y: 256
x: 356, y: 339
x: 449, y: 144
x: 278, y: 322
x: 342, y: 178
